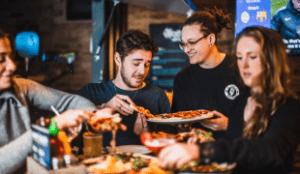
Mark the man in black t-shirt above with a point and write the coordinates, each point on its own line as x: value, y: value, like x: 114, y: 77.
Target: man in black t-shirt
x: 209, y: 81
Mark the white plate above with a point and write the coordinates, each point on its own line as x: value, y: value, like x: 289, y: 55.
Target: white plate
x: 138, y: 149
x: 178, y: 120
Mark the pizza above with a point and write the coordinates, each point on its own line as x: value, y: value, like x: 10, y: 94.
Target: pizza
x: 201, y: 113
x: 183, y: 115
x: 142, y: 110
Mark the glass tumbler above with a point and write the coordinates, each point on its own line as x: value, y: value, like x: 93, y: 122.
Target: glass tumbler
x: 92, y: 144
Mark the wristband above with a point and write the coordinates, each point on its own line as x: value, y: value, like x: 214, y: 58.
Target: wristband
x: 53, y: 129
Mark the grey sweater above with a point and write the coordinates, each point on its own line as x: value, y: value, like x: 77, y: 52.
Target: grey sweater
x: 15, y: 105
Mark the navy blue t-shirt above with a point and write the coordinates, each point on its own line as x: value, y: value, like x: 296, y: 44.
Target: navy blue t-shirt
x: 150, y: 97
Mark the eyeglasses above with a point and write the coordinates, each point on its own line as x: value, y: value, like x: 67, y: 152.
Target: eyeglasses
x: 191, y: 43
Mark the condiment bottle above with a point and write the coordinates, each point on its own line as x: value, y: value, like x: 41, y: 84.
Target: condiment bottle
x: 57, y: 163
x: 57, y: 146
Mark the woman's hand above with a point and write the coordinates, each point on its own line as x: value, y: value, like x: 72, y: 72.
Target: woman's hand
x: 218, y: 124
x: 177, y: 155
x: 121, y: 104
x: 71, y: 118
x: 104, y: 112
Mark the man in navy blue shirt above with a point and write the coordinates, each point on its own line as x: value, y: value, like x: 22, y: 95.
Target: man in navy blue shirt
x: 134, y: 52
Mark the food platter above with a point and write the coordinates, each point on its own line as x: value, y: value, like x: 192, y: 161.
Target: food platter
x: 214, y: 168
x: 170, y: 119
x: 127, y: 163
x: 137, y: 163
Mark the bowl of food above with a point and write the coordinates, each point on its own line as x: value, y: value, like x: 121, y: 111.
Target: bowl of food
x: 156, y: 144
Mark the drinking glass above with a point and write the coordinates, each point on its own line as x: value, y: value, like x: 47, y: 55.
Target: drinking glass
x: 92, y: 144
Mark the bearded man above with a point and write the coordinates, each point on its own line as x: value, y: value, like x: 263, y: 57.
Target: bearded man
x: 134, y: 52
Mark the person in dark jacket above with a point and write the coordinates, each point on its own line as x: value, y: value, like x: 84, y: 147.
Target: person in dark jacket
x: 286, y: 20
x: 263, y: 130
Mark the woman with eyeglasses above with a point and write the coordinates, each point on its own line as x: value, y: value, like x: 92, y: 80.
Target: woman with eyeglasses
x: 209, y: 81
x: 263, y: 131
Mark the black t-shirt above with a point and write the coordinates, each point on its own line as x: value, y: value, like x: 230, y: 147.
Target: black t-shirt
x: 211, y: 89
x: 271, y: 152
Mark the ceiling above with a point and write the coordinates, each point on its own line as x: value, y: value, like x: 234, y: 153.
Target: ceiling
x: 173, y: 6
x: 179, y: 6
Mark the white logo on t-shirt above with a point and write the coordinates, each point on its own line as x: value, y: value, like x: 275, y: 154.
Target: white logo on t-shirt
x: 231, y: 91
x: 287, y: 19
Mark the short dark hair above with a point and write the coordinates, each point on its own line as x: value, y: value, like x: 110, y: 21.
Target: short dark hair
x: 211, y: 21
x: 135, y: 39
x: 3, y: 34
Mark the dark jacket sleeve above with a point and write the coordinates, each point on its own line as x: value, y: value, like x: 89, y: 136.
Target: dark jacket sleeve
x: 270, y: 149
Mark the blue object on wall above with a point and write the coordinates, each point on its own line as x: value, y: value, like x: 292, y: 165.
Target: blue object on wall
x: 190, y: 3
x: 28, y: 44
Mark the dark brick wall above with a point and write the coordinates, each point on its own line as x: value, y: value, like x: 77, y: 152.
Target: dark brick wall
x: 59, y: 35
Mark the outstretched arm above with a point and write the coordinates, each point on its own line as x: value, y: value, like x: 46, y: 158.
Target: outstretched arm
x: 43, y: 97
x: 13, y: 155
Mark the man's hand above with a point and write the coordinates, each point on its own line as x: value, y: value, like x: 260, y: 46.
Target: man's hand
x: 121, y: 104
x: 218, y: 124
x: 140, y: 125
x: 175, y: 156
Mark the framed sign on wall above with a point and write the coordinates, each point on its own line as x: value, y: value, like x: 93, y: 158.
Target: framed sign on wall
x: 170, y: 59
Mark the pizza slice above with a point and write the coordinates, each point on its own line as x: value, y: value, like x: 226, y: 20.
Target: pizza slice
x: 142, y: 110
x: 183, y: 115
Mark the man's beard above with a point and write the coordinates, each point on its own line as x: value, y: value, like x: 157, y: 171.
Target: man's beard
x: 126, y: 80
